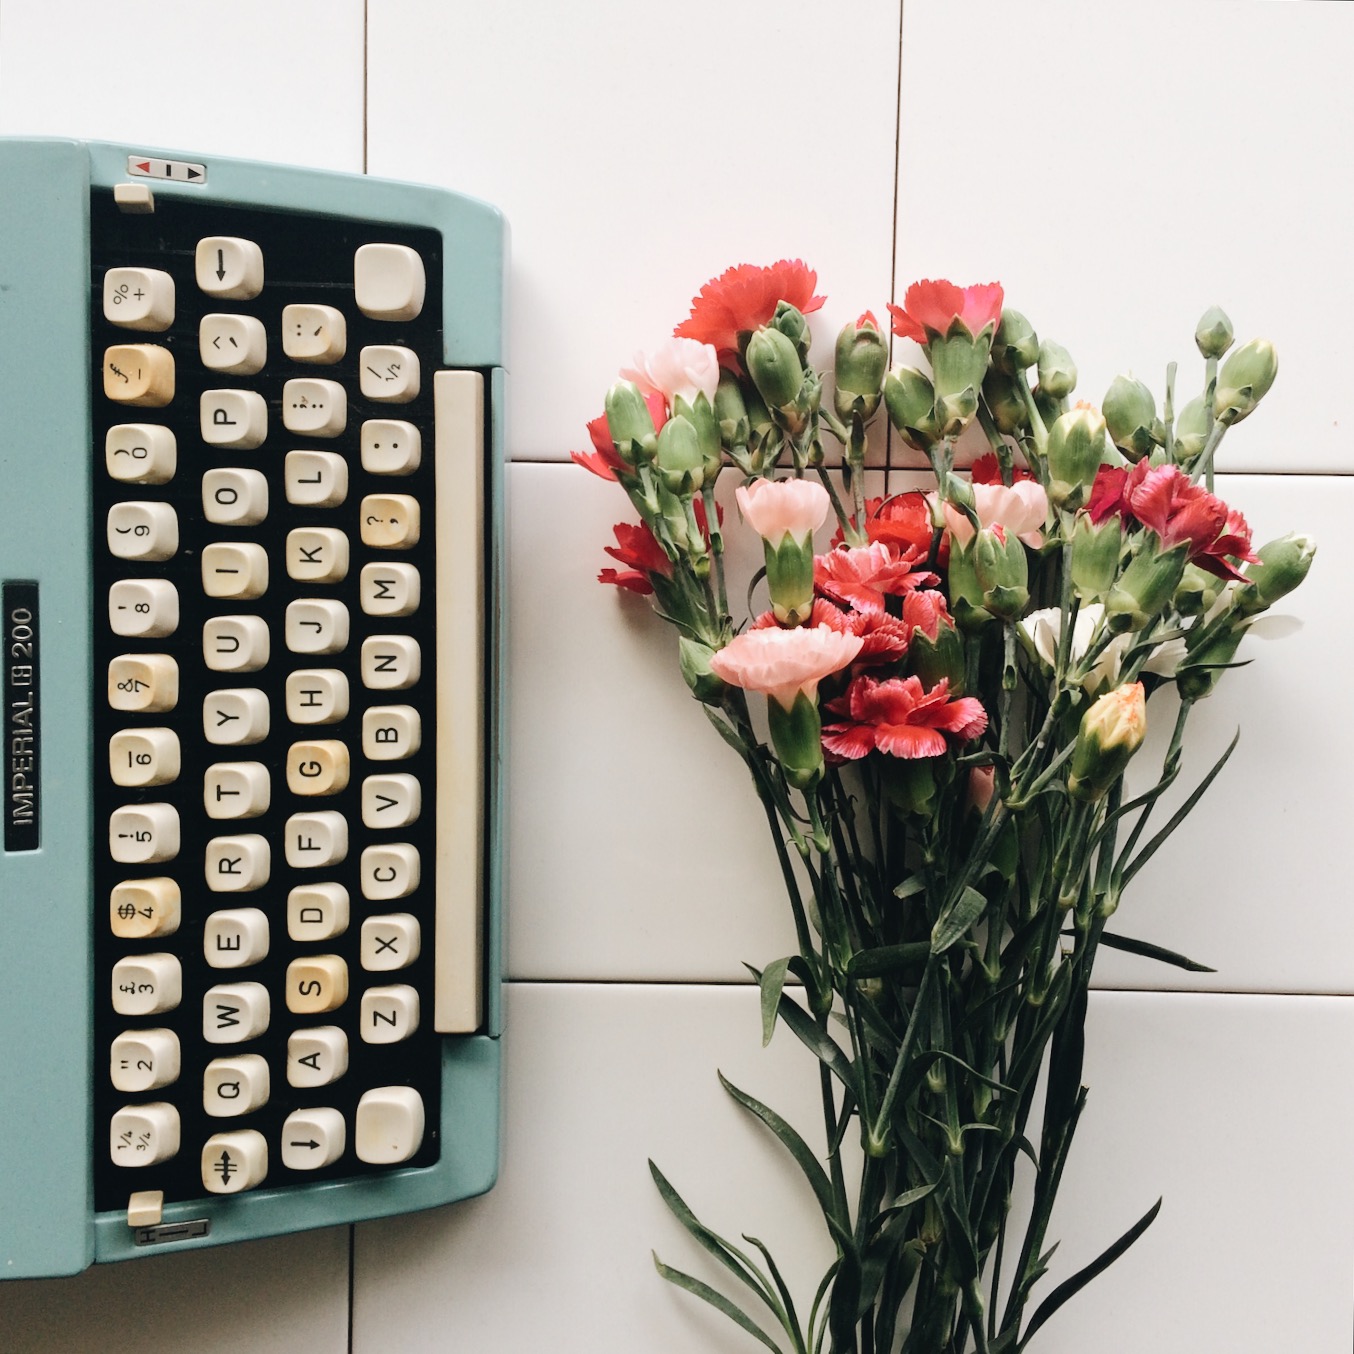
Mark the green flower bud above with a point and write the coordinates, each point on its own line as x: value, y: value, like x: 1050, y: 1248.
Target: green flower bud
x: 679, y: 458
x: 966, y: 592
x: 1131, y: 417
x: 1196, y: 591
x: 1006, y: 403
x: 1213, y: 334
x: 1057, y: 371
x: 693, y: 658
x: 774, y: 365
x: 1076, y: 442
x: 931, y: 659
x: 1111, y: 731
x: 1015, y: 346
x: 791, y: 322
x: 1283, y: 565
x: 1095, y: 556
x: 861, y: 359
x: 1146, y: 586
x: 629, y: 422
x: 731, y: 411
x: 701, y: 416
x: 1244, y: 380
x: 1191, y: 430
x: 910, y: 400
x: 1003, y: 572
x: 797, y: 736
x: 1197, y: 678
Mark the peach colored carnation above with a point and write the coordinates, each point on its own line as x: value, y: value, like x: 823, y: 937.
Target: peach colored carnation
x: 1022, y: 509
x: 782, y: 663
x: 775, y: 509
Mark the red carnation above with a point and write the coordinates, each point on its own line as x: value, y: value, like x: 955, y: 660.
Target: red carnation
x: 898, y: 717
x: 636, y: 547
x: 744, y: 298
x: 930, y: 309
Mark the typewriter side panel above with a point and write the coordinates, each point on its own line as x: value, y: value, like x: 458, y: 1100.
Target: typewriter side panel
x: 46, y: 910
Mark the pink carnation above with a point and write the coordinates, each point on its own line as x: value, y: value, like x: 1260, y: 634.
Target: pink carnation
x: 900, y: 718
x: 775, y: 509
x: 782, y: 663
x: 930, y: 308
x: 1022, y: 509
x: 680, y: 366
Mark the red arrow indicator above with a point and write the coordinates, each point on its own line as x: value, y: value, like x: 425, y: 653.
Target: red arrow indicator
x: 143, y: 166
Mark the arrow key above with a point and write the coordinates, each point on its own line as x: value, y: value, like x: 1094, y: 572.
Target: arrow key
x: 227, y: 266
x: 313, y: 1138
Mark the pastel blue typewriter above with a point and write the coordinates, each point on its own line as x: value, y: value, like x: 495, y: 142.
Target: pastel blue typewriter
x: 250, y: 460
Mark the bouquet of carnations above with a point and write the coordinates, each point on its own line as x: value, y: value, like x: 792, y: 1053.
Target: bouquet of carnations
x: 937, y: 711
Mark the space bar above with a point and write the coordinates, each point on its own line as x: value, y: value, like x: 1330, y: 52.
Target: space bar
x: 458, y: 932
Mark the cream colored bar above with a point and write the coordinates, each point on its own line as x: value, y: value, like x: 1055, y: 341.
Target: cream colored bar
x: 459, y: 931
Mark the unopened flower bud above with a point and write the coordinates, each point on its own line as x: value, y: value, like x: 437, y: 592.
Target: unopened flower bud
x: 1283, y: 565
x: 910, y: 400
x: 1146, y: 586
x: 1131, y: 417
x: 862, y: 358
x: 1191, y: 430
x: 797, y: 736
x: 629, y: 421
x: 701, y: 416
x: 1095, y: 556
x: 1057, y: 371
x: 942, y: 657
x: 966, y: 592
x: 679, y: 459
x: 731, y: 410
x: 1015, y: 346
x: 1244, y: 380
x: 1197, y: 677
x: 1005, y: 402
x: 790, y: 321
x: 1076, y: 443
x: 774, y: 365
x: 1196, y: 591
x: 1003, y: 572
x: 1111, y: 731
x: 693, y: 658
x: 1213, y: 334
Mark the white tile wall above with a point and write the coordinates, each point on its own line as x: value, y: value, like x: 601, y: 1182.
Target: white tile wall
x: 1119, y: 166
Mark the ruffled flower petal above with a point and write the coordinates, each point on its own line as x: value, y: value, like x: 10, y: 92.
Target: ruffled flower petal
x: 744, y: 298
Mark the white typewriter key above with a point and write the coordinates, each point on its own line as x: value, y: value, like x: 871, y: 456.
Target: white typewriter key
x: 226, y: 265
x: 143, y: 834
x: 313, y: 1138
x: 316, y: 839
x: 314, y: 407
x: 315, y: 479
x: 147, y: 984
x: 234, y: 1162
x: 316, y: 984
x: 318, y: 766
x: 234, y: 570
x: 232, y: 343
x: 141, y: 757
x: 235, y: 1012
x: 140, y: 374
x: 316, y: 1057
x: 235, y: 1086
x: 143, y: 608
x: 317, y: 555
x: 141, y: 453
x: 235, y: 643
x: 390, y: 942
x: 389, y: 1014
x: 233, y: 496
x: 139, y: 298
x: 316, y: 625
x: 235, y: 718
x: 389, y: 521
x: 390, y: 447
x: 389, y: 281
x: 317, y: 696
x: 237, y: 864
x: 233, y: 418
x: 236, y: 790
x: 144, y: 1135
x: 317, y: 911
x: 314, y: 333
x: 390, y: 871
x: 144, y: 1060
x: 141, y: 908
x: 235, y: 937
x: 143, y: 531
x: 390, y: 662
x: 391, y: 732
x: 391, y: 801
x: 389, y: 1126
x: 145, y: 683
x: 389, y: 374
x: 389, y: 589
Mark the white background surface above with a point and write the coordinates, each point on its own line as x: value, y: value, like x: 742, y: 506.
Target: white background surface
x: 1119, y: 167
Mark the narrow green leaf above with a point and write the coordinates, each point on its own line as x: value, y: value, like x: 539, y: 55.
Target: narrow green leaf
x: 909, y: 887
x: 1150, y: 951
x: 771, y: 981
x: 791, y: 1322
x: 824, y: 1048
x: 1069, y: 1288
x: 886, y: 959
x: 726, y: 731
x: 842, y: 1313
x: 716, y: 1300
x: 955, y: 923
x: 793, y: 1143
